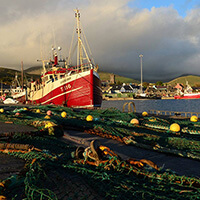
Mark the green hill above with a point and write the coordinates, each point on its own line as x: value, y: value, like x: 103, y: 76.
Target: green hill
x: 8, y: 75
x: 34, y: 70
x: 103, y: 75
x: 119, y: 79
x: 192, y: 80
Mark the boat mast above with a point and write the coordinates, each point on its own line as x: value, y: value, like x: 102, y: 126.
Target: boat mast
x: 22, y: 75
x: 80, y: 46
x: 1, y: 87
x: 78, y: 31
x: 141, y: 56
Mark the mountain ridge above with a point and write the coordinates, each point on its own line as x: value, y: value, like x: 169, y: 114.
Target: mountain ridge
x: 7, y: 75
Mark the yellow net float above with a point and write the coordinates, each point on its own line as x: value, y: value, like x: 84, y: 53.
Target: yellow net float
x: 49, y: 124
x: 152, y: 119
x: 1, y: 110
x: 2, y: 197
x: 47, y: 117
x: 25, y: 108
x: 134, y: 121
x: 89, y: 118
x: 194, y: 118
x: 63, y: 114
x: 175, y: 127
x: 144, y: 114
x: 38, y: 111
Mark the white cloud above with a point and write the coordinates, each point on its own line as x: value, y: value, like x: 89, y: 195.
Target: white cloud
x: 116, y: 33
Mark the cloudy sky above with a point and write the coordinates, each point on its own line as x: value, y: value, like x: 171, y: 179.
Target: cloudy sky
x: 166, y: 32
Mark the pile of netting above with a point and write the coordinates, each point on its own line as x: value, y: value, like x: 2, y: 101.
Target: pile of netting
x: 56, y: 170
x: 150, y: 132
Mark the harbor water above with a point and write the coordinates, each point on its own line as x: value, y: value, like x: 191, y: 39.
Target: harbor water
x: 178, y: 105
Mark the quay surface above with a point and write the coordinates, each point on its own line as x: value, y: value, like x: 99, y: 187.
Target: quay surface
x: 68, y: 181
x: 182, y: 166
x: 9, y: 164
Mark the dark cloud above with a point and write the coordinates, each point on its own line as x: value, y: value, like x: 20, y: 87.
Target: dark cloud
x: 116, y: 33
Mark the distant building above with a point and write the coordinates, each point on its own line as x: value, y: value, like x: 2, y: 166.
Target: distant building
x: 115, y: 89
x: 122, y: 89
x: 179, y: 86
x: 129, y: 88
x: 126, y: 89
x: 197, y: 89
x: 104, y: 83
x: 112, y: 78
x: 161, y: 88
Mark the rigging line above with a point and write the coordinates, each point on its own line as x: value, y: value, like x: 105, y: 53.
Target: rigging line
x: 71, y: 44
x: 86, y: 41
x: 74, y: 49
x: 85, y: 52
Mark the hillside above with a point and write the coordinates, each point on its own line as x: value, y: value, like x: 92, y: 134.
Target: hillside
x: 103, y: 75
x: 106, y: 76
x: 8, y: 75
x: 34, y: 70
x: 192, y: 80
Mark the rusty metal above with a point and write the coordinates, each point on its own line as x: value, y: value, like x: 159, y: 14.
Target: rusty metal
x: 129, y: 107
x: 174, y: 113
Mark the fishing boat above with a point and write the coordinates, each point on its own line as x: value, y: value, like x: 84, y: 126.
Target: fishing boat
x: 188, y: 96
x: 18, y: 91
x: 61, y: 83
x: 187, y: 93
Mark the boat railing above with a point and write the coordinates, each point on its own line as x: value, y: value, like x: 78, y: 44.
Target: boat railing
x: 83, y: 67
x: 174, y: 113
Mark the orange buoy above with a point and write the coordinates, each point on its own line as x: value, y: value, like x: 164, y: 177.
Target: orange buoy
x: 49, y: 112
x: 134, y: 121
x: 63, y: 114
x: 144, y: 114
x: 194, y: 118
x: 89, y: 118
x: 17, y: 114
x: 175, y: 127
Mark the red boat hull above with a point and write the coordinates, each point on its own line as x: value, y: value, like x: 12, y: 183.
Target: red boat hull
x: 188, y: 96
x: 82, y: 92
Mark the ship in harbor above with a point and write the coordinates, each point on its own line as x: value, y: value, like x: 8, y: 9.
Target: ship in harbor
x: 187, y: 93
x: 63, y: 84
x: 18, y: 91
x: 188, y: 96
